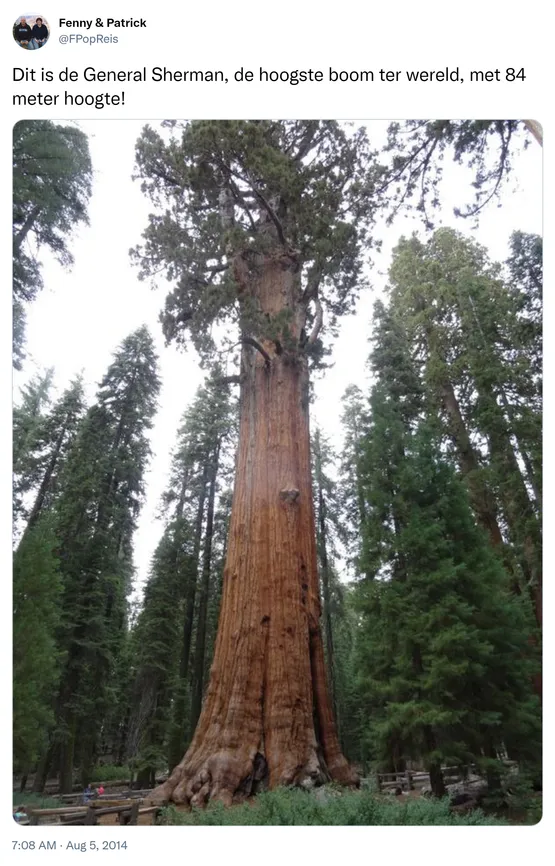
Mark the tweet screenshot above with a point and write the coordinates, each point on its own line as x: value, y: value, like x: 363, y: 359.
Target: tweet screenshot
x: 272, y: 403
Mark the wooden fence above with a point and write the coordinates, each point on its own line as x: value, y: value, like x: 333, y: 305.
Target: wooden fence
x: 89, y: 814
x: 415, y: 780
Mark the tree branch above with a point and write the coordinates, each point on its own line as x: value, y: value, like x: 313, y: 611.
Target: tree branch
x: 536, y: 129
x: 318, y: 321
x: 250, y: 341
x: 312, y: 285
x: 228, y: 380
x: 272, y: 215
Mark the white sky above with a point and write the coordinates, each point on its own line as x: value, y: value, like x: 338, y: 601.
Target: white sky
x: 81, y: 316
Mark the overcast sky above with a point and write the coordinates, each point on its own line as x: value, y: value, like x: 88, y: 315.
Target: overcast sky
x: 81, y: 316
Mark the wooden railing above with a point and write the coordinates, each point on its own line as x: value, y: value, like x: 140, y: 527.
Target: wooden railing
x: 416, y: 779
x: 89, y: 813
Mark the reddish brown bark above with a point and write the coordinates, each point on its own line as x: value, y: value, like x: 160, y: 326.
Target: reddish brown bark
x: 481, y: 498
x: 267, y: 710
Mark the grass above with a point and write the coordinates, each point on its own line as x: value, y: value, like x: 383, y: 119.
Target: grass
x: 40, y: 801
x: 301, y: 808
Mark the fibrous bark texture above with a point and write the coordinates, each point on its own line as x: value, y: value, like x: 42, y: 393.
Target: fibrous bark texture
x: 267, y: 715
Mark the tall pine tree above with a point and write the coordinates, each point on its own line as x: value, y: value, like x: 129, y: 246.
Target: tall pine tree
x: 102, y: 490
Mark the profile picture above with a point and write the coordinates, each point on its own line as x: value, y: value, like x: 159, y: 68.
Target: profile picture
x: 31, y: 31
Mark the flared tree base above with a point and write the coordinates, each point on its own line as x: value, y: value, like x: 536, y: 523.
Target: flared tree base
x: 231, y: 776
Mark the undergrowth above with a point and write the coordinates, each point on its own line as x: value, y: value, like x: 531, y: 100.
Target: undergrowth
x: 297, y: 807
x: 40, y: 801
x: 109, y: 773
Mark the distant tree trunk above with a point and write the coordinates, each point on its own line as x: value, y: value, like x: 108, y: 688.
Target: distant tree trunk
x: 267, y: 708
x: 200, y: 647
x: 67, y: 753
x: 434, y: 767
x: 46, y: 482
x: 178, y: 738
x: 325, y: 575
x: 19, y: 238
x: 484, y: 508
x: 43, y: 769
x: 519, y: 511
x: 480, y: 496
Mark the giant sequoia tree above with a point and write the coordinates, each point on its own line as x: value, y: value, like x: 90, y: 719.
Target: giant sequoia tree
x: 261, y: 223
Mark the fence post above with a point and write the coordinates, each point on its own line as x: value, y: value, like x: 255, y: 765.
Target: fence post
x: 90, y: 817
x: 408, y: 776
x: 133, y: 819
x: 378, y: 782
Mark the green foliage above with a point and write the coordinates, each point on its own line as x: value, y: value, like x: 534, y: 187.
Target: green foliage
x: 44, y: 449
x: 233, y: 191
x: 36, y: 659
x: 37, y: 801
x: 96, y: 514
x: 442, y: 648
x: 293, y: 807
x: 465, y: 330
x: 28, y: 418
x: 52, y: 178
x: 184, y: 584
x: 110, y: 773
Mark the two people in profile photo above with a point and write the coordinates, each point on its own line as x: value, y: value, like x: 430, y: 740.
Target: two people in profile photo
x: 31, y: 32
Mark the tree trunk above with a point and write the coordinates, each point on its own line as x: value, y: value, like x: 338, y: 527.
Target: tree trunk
x: 434, y: 767
x: 267, y: 709
x: 524, y: 528
x: 43, y: 769
x: 25, y: 229
x: 46, y: 483
x: 67, y: 757
x: 178, y: 737
x: 480, y: 495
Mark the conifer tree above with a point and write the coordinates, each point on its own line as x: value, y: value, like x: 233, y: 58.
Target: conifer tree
x: 36, y: 657
x: 96, y: 513
x: 354, y: 419
x: 329, y: 530
x: 261, y: 225
x: 168, y: 685
x: 28, y: 417
x: 464, y: 320
x: 54, y: 438
x: 154, y: 659
x: 443, y: 652
x: 52, y: 178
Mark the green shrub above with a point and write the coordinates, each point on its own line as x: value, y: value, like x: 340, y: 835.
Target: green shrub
x: 40, y: 801
x: 110, y: 772
x: 301, y: 808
